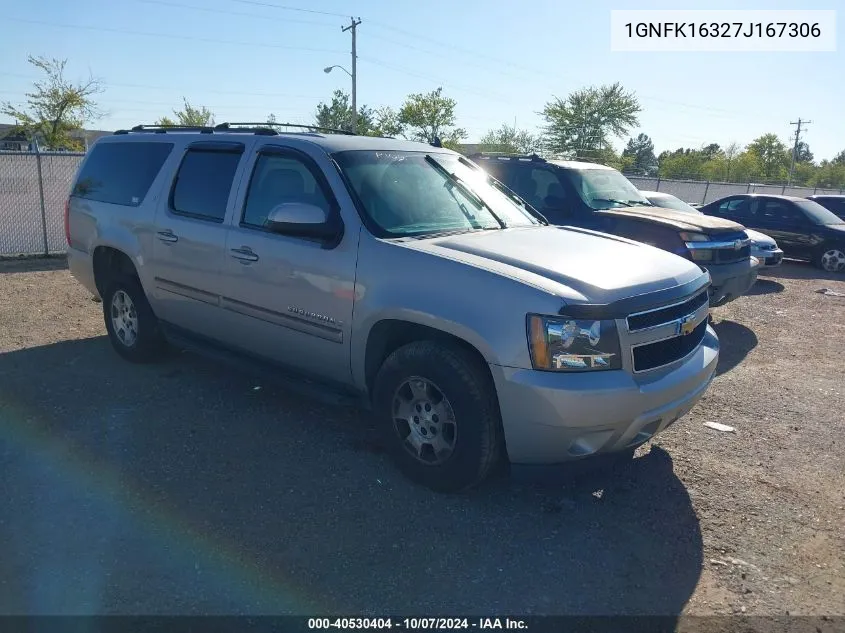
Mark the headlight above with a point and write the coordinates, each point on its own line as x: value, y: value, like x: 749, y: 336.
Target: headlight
x: 697, y: 254
x: 562, y: 344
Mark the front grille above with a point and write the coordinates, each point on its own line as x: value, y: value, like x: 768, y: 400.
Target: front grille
x: 729, y: 255
x: 665, y: 315
x: 775, y: 259
x: 654, y: 355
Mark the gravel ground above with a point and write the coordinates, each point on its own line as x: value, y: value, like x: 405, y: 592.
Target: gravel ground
x: 189, y: 488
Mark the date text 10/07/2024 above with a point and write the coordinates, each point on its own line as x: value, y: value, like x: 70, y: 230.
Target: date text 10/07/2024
x: 418, y: 624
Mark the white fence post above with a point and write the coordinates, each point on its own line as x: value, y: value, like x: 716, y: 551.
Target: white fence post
x: 41, y: 196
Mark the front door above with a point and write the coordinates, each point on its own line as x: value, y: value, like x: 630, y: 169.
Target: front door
x: 786, y: 224
x: 289, y: 298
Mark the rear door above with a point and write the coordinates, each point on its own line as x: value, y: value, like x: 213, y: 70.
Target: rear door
x: 190, y: 235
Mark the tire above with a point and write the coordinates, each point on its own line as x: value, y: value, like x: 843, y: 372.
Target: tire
x: 130, y: 322
x: 462, y: 451
x: 831, y: 258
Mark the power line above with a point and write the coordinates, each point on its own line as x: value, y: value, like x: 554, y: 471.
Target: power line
x: 225, y: 12
x: 289, y: 8
x: 167, y: 35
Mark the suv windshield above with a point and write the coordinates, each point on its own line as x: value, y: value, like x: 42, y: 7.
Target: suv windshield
x: 605, y: 189
x: 817, y: 213
x: 418, y: 193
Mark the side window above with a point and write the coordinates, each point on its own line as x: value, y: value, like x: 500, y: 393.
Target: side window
x: 277, y: 179
x: 779, y: 211
x: 202, y: 185
x: 736, y: 208
x: 121, y: 173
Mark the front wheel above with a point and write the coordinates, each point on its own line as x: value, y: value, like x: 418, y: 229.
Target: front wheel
x: 438, y: 411
x: 831, y: 259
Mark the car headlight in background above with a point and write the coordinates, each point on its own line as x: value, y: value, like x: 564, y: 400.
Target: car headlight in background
x: 563, y: 344
x: 697, y: 254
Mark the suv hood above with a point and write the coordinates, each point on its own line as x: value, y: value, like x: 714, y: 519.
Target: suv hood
x: 679, y: 220
x: 573, y: 263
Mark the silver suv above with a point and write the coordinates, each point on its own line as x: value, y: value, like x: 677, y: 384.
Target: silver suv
x: 399, y: 272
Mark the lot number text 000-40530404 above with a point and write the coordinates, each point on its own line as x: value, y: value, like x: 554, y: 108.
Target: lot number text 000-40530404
x: 723, y: 30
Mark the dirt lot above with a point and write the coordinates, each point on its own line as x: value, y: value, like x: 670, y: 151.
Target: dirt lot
x: 186, y: 488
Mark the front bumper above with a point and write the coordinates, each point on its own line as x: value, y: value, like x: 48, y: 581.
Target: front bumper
x: 551, y: 417
x: 768, y: 259
x: 730, y: 281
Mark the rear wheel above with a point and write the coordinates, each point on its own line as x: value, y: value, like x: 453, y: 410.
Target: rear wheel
x: 438, y: 411
x: 130, y: 322
x: 831, y: 259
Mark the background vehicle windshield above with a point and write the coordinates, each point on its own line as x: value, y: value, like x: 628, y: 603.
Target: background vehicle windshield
x: 671, y: 202
x: 817, y: 213
x: 405, y: 194
x: 605, y: 188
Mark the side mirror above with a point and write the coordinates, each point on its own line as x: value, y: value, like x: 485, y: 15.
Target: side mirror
x: 300, y: 219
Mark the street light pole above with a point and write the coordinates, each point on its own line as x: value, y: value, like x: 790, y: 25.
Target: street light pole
x: 353, y: 27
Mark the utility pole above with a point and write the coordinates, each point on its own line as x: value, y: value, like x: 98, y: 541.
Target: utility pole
x: 353, y: 25
x: 799, y: 122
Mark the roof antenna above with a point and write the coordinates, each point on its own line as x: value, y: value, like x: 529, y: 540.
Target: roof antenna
x: 436, y: 142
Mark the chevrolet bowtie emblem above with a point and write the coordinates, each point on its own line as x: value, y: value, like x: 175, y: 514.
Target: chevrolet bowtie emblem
x: 687, y: 325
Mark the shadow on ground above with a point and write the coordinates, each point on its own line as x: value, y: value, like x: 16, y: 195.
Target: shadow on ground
x: 32, y: 264
x: 794, y: 269
x: 735, y: 343
x: 765, y: 287
x: 187, y: 488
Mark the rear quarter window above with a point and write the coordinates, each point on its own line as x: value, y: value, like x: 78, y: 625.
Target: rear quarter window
x: 120, y: 173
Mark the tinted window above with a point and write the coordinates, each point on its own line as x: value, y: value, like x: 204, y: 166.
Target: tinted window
x: 778, y: 211
x: 736, y: 207
x: 835, y: 205
x: 817, y: 213
x: 277, y: 180
x: 203, y: 183
x: 121, y: 173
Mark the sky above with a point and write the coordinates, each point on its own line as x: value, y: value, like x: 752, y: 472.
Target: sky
x: 501, y: 61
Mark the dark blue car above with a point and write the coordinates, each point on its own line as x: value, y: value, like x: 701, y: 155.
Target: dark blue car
x: 802, y: 228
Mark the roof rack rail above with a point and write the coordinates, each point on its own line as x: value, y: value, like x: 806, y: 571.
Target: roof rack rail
x: 532, y: 157
x: 271, y: 125
x: 264, y: 128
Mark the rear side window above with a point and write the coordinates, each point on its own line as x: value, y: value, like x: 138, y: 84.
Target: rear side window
x: 203, y: 183
x: 121, y: 173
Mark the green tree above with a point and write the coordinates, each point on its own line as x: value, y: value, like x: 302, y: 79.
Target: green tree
x: 640, y: 151
x: 803, y: 153
x: 829, y: 174
x: 839, y: 159
x: 682, y: 163
x: 57, y: 108
x: 386, y: 122
x: 511, y: 140
x: 189, y: 115
x: 430, y: 116
x: 337, y: 114
x: 584, y: 123
x: 772, y: 156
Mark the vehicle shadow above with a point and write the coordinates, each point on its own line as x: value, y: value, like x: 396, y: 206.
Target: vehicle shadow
x: 794, y: 269
x: 188, y: 488
x: 32, y: 264
x: 735, y: 343
x: 765, y: 287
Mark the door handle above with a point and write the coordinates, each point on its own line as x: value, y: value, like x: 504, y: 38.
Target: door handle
x: 244, y: 254
x: 167, y: 236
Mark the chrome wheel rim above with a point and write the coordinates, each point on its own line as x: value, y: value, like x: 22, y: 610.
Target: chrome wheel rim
x: 124, y: 318
x: 833, y: 261
x: 424, y: 421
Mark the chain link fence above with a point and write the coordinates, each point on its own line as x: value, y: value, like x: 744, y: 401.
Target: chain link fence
x: 702, y: 192
x: 33, y: 191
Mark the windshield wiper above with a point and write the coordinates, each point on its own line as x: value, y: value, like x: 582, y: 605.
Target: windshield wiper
x: 624, y: 203
x: 639, y: 203
x: 465, y: 188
